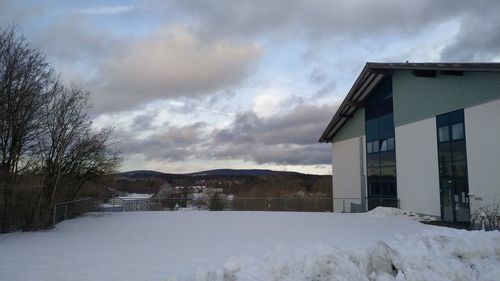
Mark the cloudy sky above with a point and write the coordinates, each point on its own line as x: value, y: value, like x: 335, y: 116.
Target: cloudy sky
x: 191, y: 85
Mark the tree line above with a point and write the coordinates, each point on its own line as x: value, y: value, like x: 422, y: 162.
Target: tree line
x: 49, y: 148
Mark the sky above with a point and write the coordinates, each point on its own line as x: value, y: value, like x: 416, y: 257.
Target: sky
x: 193, y: 85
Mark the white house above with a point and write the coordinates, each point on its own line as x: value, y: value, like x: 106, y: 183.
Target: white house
x: 424, y: 136
x: 132, y: 202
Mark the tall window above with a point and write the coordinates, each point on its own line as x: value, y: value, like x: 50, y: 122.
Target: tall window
x: 452, y: 159
x: 380, y: 147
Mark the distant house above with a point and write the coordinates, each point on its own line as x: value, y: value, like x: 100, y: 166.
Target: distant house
x: 424, y: 135
x: 132, y: 202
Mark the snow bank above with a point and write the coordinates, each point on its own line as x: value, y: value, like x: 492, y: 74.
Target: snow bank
x: 385, y: 212
x: 441, y: 254
x: 155, y: 246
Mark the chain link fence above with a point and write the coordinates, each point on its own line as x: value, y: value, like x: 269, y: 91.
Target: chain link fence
x: 219, y: 204
x: 72, y: 209
x: 360, y: 205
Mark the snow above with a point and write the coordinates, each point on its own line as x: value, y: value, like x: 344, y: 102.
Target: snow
x: 194, y: 245
x: 385, y: 212
x: 135, y: 196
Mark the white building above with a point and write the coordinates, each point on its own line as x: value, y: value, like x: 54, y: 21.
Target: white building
x: 132, y: 202
x: 424, y: 136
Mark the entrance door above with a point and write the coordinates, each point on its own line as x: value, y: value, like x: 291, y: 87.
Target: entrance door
x: 446, y: 202
x: 452, y: 157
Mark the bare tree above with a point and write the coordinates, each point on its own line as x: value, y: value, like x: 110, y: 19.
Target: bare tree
x: 48, y: 148
x: 26, y: 81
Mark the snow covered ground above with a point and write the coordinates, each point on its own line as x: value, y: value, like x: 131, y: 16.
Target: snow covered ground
x: 159, y: 246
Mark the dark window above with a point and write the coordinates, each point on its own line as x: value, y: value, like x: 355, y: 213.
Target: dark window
x: 459, y: 150
x: 390, y: 144
x: 383, y: 145
x: 380, y: 147
x: 388, y: 158
x: 369, y: 147
x: 444, y: 133
x: 457, y: 131
x: 452, y: 159
x: 373, y: 171
x: 373, y: 160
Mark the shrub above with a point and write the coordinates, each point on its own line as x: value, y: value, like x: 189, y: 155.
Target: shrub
x: 487, y: 217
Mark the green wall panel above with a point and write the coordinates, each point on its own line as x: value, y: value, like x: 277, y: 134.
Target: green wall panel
x: 354, y: 127
x: 418, y: 98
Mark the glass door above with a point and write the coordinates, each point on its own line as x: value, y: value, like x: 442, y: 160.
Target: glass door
x: 452, y: 158
x: 446, y: 202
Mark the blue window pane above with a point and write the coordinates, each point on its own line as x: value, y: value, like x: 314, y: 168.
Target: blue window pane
x: 444, y: 133
x: 372, y: 126
x: 375, y: 146
x: 383, y: 145
x: 390, y: 144
x: 457, y: 131
x: 369, y: 147
x: 386, y: 122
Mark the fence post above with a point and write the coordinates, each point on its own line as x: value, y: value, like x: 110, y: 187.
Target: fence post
x: 54, y: 216
x: 286, y: 204
x: 343, y: 205
x: 65, y: 211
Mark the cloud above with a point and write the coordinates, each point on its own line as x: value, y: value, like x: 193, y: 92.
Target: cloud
x: 172, y: 63
x: 17, y: 13
x: 106, y: 10
x: 75, y: 40
x: 173, y: 143
x: 478, y: 38
x: 289, y: 138
x: 317, y: 19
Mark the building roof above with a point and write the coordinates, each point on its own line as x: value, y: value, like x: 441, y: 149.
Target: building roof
x: 374, y: 73
x: 135, y: 196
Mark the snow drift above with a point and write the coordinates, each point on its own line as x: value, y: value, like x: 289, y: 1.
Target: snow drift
x: 432, y: 255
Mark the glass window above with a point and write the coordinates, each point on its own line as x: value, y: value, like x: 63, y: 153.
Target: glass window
x: 384, y: 188
x: 383, y: 145
x: 376, y: 188
x: 386, y: 122
x: 390, y: 144
x: 456, y: 116
x: 385, y: 108
x: 459, y: 151
x: 444, y: 134
x: 371, y: 126
x: 457, y: 131
x: 388, y: 158
x: 444, y: 169
x: 392, y: 189
x: 380, y: 139
x: 389, y: 171
x: 373, y: 171
x: 459, y: 168
x: 444, y: 151
x: 372, y: 160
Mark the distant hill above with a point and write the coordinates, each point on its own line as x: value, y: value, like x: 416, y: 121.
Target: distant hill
x: 242, y: 172
x: 238, y: 182
x: 143, y: 174
x: 216, y: 172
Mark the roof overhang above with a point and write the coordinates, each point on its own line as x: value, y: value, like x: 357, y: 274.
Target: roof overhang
x: 374, y: 73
